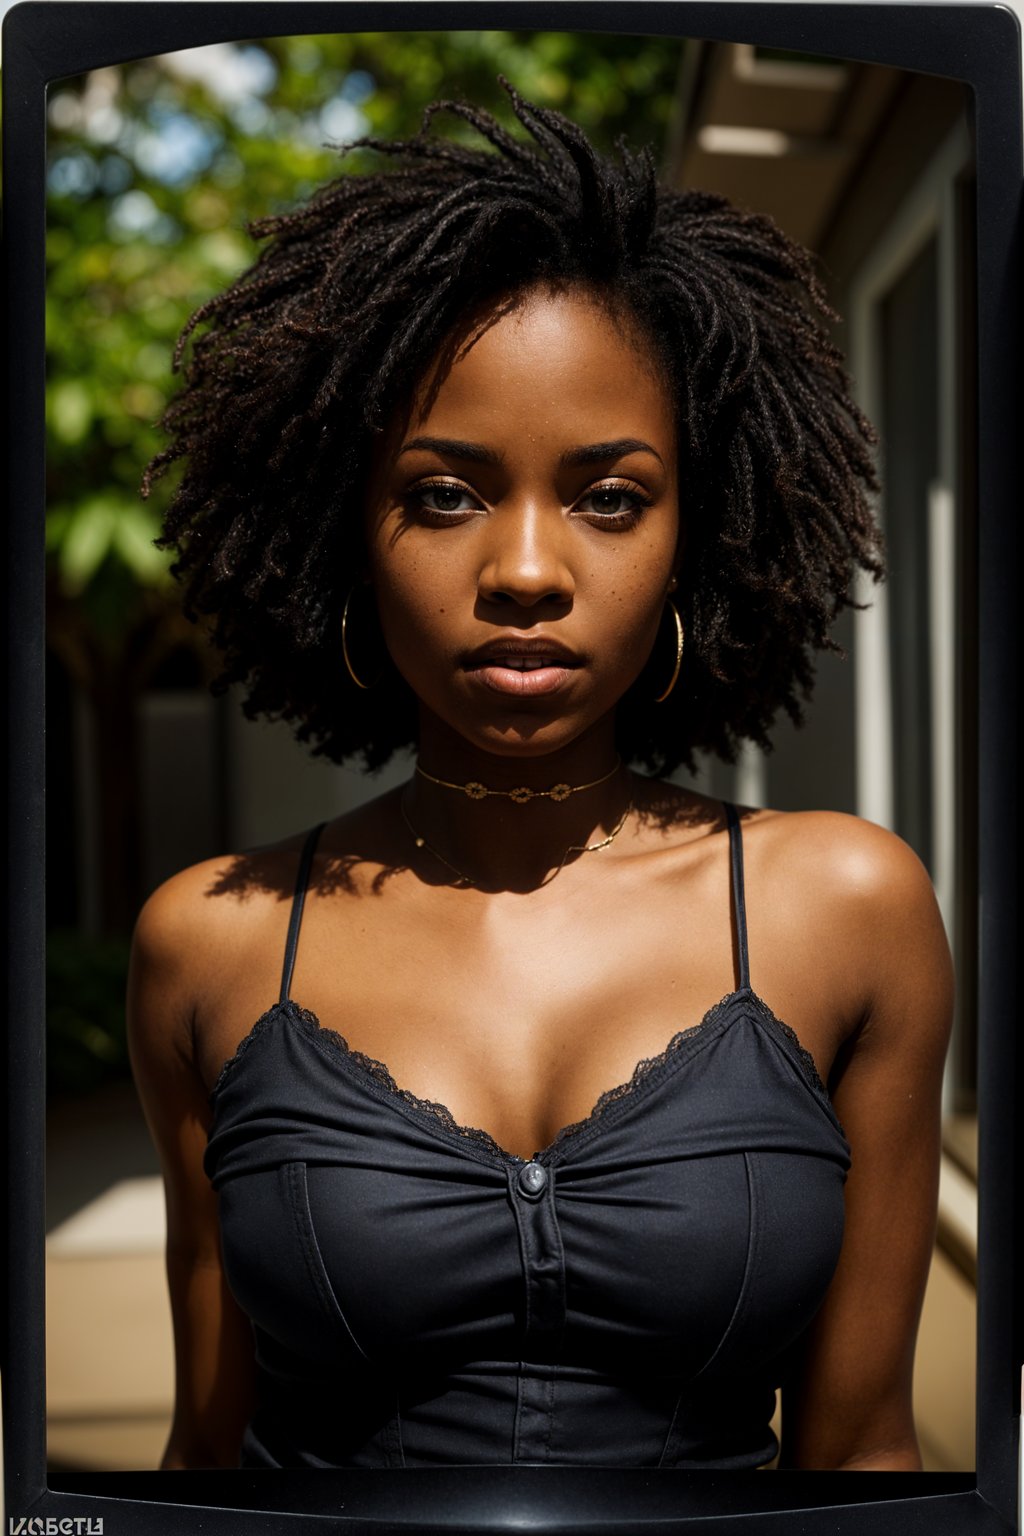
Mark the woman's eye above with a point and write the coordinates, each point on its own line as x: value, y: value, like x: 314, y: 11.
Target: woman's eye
x: 442, y: 496
x: 615, y: 503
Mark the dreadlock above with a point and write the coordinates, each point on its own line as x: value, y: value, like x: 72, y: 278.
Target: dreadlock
x: 304, y: 360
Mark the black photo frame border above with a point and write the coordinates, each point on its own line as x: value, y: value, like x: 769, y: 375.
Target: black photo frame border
x: 978, y: 44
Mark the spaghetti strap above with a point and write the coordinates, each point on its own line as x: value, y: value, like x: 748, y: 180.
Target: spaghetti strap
x: 738, y: 897
x: 298, y: 901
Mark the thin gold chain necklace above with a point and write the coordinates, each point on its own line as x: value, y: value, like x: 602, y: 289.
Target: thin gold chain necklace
x: 421, y: 842
x: 521, y: 794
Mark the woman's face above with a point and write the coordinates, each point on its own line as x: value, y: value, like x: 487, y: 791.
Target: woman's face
x: 524, y: 526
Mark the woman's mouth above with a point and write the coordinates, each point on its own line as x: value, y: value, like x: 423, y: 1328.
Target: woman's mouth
x: 523, y: 671
x: 525, y: 663
x: 523, y: 680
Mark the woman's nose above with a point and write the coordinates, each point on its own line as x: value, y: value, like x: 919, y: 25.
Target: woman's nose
x: 526, y: 560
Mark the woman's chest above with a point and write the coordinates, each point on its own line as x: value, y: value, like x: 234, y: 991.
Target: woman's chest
x: 517, y: 1027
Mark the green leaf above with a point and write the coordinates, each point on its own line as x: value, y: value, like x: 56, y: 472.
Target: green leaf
x: 58, y: 521
x: 69, y: 410
x: 87, y: 540
x: 134, y: 532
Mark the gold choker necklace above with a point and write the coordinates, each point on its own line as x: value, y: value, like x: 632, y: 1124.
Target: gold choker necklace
x: 421, y: 842
x: 521, y: 795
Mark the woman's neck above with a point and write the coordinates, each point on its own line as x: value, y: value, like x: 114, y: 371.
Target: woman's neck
x: 495, y: 842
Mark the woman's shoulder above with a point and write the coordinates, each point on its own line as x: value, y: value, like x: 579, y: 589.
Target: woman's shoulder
x: 221, y: 902
x: 828, y: 875
x: 821, y: 882
x: 204, y: 898
x: 851, y: 882
x: 856, y: 896
x: 837, y: 857
x: 210, y: 919
x: 821, y: 852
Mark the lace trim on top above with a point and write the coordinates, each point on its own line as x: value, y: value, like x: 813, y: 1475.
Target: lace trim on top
x: 378, y: 1072
x: 643, y: 1069
x: 246, y: 1041
x: 794, y: 1039
x: 374, y: 1069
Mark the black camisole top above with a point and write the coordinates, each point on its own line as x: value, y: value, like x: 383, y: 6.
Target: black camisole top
x: 631, y: 1296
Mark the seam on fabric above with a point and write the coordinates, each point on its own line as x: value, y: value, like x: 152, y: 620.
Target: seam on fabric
x: 551, y: 1386
x: 754, y: 1226
x: 518, y: 1414
x: 524, y: 1260
x: 671, y: 1438
x: 528, y: 1254
x: 298, y: 1192
x: 555, y: 1378
x: 397, y: 1442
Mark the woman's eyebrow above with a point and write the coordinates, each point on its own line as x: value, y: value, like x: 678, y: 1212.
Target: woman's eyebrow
x: 454, y: 448
x: 589, y: 453
x: 596, y: 453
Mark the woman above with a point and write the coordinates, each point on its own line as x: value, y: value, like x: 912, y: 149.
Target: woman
x: 511, y: 455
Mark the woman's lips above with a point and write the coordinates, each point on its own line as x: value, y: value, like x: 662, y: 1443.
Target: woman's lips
x: 522, y: 684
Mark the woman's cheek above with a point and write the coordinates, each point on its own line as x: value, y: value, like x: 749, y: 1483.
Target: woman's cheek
x: 413, y: 624
x: 632, y: 636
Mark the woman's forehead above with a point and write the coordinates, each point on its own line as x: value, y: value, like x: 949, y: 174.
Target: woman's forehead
x: 556, y: 357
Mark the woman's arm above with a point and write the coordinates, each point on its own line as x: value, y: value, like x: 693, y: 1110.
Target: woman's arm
x: 849, y: 1405
x: 214, y: 1365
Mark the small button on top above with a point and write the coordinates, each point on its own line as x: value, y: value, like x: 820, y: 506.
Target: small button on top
x: 532, y: 1179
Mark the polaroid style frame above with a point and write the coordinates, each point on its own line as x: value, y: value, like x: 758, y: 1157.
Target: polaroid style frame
x: 978, y: 44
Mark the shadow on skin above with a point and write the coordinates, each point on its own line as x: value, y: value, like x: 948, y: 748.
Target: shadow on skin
x: 372, y: 841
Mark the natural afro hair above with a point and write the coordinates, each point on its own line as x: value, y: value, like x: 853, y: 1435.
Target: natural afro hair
x: 311, y: 352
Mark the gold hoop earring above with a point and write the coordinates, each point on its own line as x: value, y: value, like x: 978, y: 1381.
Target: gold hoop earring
x: 344, y: 647
x: 679, y: 652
